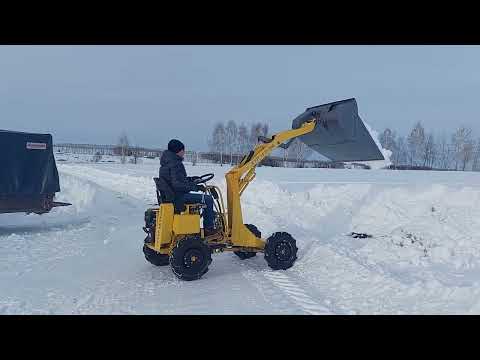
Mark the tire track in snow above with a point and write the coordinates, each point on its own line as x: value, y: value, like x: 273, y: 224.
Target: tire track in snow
x: 275, y: 284
x: 296, y: 293
x: 293, y: 283
x: 280, y: 303
x: 336, y: 212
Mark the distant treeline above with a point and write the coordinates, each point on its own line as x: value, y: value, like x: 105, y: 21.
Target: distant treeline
x: 229, y: 142
x: 228, y: 139
x: 421, y: 150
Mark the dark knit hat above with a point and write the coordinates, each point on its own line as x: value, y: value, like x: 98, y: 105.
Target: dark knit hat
x: 175, y: 145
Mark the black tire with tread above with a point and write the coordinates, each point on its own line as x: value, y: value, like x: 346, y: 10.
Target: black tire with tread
x: 249, y: 254
x: 177, y: 258
x: 280, y: 244
x: 155, y: 258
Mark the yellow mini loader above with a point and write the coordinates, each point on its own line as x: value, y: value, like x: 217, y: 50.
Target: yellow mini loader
x: 174, y: 234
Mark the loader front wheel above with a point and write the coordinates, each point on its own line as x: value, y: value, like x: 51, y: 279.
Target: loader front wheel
x: 154, y: 257
x: 280, y: 251
x: 249, y: 254
x: 190, y: 258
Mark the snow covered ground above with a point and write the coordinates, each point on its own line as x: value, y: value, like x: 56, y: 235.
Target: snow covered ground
x: 423, y: 256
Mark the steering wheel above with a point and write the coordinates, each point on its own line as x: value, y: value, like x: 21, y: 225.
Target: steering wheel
x: 204, y: 178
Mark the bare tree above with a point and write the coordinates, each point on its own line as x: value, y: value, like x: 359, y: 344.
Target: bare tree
x: 429, y: 151
x: 400, y: 156
x: 443, y: 159
x: 243, y: 141
x: 255, y: 132
x: 456, y: 147
x: 299, y: 151
x: 467, y: 153
x: 387, y: 139
x: 416, y: 143
x: 231, y: 137
x: 463, y: 147
x: 265, y: 129
x: 123, y: 144
x: 218, y: 140
x: 476, y: 157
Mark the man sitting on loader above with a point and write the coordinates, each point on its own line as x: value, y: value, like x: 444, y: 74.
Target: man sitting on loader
x: 173, y: 172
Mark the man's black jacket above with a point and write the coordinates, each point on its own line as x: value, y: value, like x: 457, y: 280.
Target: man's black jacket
x: 173, y: 171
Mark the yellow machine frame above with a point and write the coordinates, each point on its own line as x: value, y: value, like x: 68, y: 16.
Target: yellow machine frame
x: 234, y: 236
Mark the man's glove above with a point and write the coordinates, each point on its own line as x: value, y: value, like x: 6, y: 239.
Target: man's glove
x: 201, y: 188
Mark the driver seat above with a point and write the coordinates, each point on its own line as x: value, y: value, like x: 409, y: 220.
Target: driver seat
x: 166, y: 195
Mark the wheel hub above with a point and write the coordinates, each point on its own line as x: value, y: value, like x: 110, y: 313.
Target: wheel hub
x: 283, y: 251
x: 192, y: 258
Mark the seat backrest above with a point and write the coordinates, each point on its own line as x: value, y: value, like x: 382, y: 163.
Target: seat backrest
x: 165, y: 192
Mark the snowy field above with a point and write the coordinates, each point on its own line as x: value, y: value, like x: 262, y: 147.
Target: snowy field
x: 423, y: 256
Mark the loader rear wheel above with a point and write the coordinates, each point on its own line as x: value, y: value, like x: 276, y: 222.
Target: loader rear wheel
x: 190, y: 258
x: 249, y: 254
x: 154, y: 257
x: 280, y: 251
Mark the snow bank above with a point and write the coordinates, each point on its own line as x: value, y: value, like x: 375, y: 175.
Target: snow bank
x: 138, y: 187
x: 434, y: 225
x: 272, y: 208
x: 73, y: 190
x: 79, y: 193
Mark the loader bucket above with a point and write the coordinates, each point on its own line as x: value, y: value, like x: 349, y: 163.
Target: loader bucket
x: 339, y: 134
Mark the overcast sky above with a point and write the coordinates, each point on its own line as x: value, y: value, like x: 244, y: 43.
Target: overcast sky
x: 90, y: 94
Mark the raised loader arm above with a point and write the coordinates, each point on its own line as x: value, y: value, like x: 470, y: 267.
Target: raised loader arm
x: 241, y: 175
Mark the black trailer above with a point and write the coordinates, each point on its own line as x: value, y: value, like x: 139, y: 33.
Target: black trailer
x: 28, y: 173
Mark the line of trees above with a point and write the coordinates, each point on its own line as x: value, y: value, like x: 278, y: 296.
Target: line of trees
x: 229, y: 139
x: 418, y: 149
x: 459, y: 151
